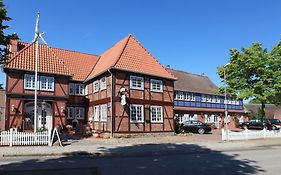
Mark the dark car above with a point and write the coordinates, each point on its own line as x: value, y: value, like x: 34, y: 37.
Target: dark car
x: 196, y: 127
x: 271, y: 124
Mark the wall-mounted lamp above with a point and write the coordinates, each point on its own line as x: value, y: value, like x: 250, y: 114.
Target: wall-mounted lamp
x: 62, y: 109
x: 14, y: 109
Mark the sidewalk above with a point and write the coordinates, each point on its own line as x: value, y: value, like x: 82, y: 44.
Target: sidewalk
x: 138, y: 146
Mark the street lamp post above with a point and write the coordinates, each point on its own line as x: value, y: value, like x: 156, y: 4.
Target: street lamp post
x: 225, y: 98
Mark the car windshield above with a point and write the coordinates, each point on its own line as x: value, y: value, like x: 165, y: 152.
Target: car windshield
x: 274, y: 121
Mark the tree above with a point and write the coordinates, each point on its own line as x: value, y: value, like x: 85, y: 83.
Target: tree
x: 4, y: 39
x: 255, y: 74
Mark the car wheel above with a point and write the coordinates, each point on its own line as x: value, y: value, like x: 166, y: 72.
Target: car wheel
x: 274, y: 128
x: 201, y: 131
x: 265, y: 127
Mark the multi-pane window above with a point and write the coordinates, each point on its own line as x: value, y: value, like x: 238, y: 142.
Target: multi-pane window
x: 208, y: 98
x: 156, y: 85
x: 103, y: 112
x: 203, y: 98
x: 136, y: 113
x: 156, y: 114
x: 45, y: 83
x: 96, y: 86
x: 179, y: 95
x: 96, y: 113
x: 136, y: 82
x: 103, y: 83
x: 29, y: 81
x: 80, y: 113
x: 76, y: 112
x: 70, y: 112
x: 71, y: 88
x: 79, y: 89
x: 185, y: 96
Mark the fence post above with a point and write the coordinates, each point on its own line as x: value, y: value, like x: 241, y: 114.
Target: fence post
x: 264, y: 130
x: 11, y: 137
x: 222, y: 134
x: 246, y: 133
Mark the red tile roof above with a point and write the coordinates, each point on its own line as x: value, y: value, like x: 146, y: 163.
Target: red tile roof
x: 52, y: 60
x: 25, y: 60
x: 129, y: 55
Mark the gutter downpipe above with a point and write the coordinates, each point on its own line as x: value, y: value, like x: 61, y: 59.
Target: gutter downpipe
x: 111, y: 102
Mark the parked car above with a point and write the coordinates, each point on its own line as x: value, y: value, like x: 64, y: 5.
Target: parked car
x: 196, y: 127
x: 271, y: 124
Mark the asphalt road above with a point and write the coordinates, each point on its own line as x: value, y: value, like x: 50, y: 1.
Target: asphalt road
x: 262, y: 160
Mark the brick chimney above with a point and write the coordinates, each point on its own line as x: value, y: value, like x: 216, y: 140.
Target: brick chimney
x: 13, y: 46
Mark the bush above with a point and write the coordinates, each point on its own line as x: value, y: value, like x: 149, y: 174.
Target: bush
x: 179, y: 128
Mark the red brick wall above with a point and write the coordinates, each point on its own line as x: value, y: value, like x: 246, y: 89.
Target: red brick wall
x: 144, y: 97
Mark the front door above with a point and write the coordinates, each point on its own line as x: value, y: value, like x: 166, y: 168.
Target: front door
x: 44, y: 114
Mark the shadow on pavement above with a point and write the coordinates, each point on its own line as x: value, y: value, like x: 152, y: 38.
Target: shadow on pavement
x: 135, y: 159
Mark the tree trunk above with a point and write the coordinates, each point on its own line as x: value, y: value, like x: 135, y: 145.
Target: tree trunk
x: 262, y: 110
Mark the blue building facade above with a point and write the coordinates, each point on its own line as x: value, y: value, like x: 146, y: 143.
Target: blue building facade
x: 195, y: 99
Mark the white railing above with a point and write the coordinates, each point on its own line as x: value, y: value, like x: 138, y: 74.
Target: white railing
x: 252, y: 134
x: 12, y: 137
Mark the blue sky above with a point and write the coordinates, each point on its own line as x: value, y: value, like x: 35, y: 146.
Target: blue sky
x: 191, y: 35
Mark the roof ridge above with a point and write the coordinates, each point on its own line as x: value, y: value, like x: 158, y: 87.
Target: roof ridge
x: 153, y: 56
x: 121, y: 53
x: 13, y: 57
x: 188, y: 72
x: 63, y: 49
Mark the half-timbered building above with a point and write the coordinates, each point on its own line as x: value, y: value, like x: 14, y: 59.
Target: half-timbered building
x: 124, y: 90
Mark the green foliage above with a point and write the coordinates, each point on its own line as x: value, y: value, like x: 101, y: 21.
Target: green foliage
x: 4, y: 39
x: 254, y: 73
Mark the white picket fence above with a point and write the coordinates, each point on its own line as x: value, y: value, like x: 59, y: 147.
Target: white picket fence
x: 12, y: 137
x: 250, y: 134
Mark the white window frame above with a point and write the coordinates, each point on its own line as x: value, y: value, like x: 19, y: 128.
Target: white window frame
x: 135, y: 85
x: 96, y: 86
x: 159, y: 114
x: 192, y: 97
x: 158, y: 85
x: 103, y: 83
x: 81, y: 89
x: 80, y: 114
x: 141, y: 120
x: 180, y: 95
x: 50, y: 83
x: 96, y: 113
x: 31, y: 78
x: 103, y: 113
x: 208, y: 98
x: 69, y: 115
